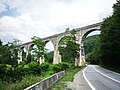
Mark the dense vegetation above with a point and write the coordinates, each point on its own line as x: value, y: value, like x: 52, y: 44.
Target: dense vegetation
x: 16, y: 76
x: 27, y: 74
x: 90, y: 43
x: 69, y: 48
x: 108, y: 49
x: 49, y: 57
x: 110, y: 39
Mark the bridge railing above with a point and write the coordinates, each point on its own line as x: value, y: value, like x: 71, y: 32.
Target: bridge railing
x: 46, y: 83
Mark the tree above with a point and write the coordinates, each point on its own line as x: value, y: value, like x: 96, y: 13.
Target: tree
x: 4, y: 54
x: 69, y: 48
x: 39, y: 50
x: 90, y: 43
x: 67, y: 30
x: 9, y: 53
x: 14, y: 48
x: 93, y: 56
x: 110, y: 39
x: 0, y: 42
x: 49, y: 57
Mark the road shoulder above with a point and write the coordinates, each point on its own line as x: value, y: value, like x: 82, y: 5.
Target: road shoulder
x: 79, y: 82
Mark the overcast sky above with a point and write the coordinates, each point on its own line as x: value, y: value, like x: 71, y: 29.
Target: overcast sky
x: 23, y: 19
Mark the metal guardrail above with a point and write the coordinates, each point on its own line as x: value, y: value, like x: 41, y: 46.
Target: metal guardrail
x: 46, y: 83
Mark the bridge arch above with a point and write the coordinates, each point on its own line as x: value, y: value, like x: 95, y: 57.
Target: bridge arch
x: 87, y: 33
x: 84, y: 36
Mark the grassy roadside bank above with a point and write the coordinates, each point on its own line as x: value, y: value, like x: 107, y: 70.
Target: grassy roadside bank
x: 27, y: 74
x: 61, y: 85
x: 117, y: 70
x: 24, y: 83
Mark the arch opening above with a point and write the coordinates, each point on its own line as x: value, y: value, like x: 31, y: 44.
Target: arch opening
x: 89, y: 42
x: 23, y: 52
x: 49, y: 52
x: 64, y: 50
x: 31, y: 54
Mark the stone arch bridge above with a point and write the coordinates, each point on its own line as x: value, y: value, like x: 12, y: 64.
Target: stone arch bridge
x: 55, y: 39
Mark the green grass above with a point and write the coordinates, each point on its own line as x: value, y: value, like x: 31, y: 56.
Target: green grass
x: 61, y: 85
x: 24, y: 83
x: 32, y: 79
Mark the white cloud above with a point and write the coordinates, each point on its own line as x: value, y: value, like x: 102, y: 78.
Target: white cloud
x: 10, y: 28
x: 47, y: 17
x: 2, y: 7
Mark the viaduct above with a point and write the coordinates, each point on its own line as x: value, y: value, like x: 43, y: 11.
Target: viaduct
x: 81, y: 34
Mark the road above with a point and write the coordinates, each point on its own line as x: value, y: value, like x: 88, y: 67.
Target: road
x: 99, y: 78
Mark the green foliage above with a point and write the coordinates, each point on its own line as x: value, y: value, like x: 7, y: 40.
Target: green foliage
x: 49, y: 57
x: 68, y: 48
x: 33, y: 64
x: 9, y: 53
x: 3, y: 68
x: 90, y: 43
x: 61, y: 85
x: 24, y: 83
x: 39, y: 50
x: 34, y: 68
x: 56, y: 68
x: 110, y: 39
x: 21, y: 64
x: 60, y: 67
x: 64, y: 65
x: 94, y: 55
x: 108, y: 49
x: 45, y: 67
x: 3, y: 85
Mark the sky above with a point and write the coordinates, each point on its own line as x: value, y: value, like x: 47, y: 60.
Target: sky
x: 23, y: 19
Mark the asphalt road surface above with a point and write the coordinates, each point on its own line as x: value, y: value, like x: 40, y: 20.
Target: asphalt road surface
x: 99, y: 78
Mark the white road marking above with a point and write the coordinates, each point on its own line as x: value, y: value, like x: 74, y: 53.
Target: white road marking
x: 87, y: 80
x: 106, y: 75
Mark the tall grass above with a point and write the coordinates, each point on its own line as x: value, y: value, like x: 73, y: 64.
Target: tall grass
x: 24, y: 83
x: 61, y: 85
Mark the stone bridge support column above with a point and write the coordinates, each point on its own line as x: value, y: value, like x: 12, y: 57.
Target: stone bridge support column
x: 77, y: 60
x: 27, y: 47
x: 41, y: 60
x: 56, y: 56
x: 82, y: 55
x: 81, y: 60
x: 20, y: 56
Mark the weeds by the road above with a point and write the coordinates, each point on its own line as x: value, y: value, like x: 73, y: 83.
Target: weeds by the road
x: 61, y: 85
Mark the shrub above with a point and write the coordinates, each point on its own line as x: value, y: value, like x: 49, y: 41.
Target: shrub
x: 3, y: 72
x: 56, y: 68
x: 24, y: 71
x: 34, y: 68
x: 32, y: 65
x: 64, y: 65
x: 45, y: 67
x: 21, y: 64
